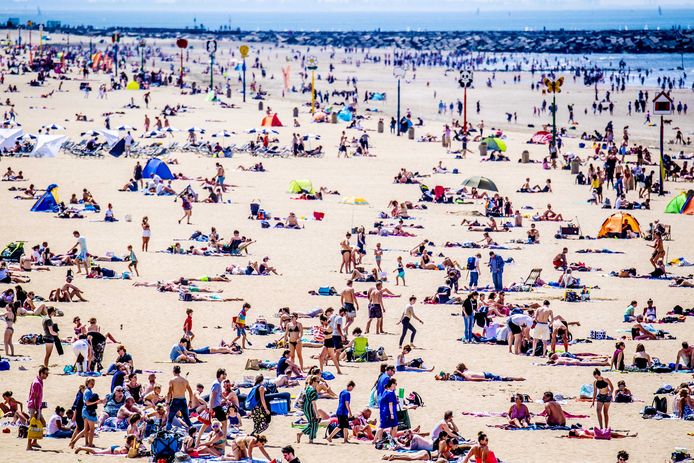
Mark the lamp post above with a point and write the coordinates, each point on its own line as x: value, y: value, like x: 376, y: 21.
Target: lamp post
x: 399, y: 73
x: 243, y: 49
x: 181, y: 44
x: 312, y: 64
x: 465, y: 81
x: 40, y: 40
x: 662, y: 106
x: 211, y: 49
x: 115, y: 38
x: 554, y: 87
x: 141, y: 44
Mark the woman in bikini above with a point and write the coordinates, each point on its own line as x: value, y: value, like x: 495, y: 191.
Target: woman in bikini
x: 146, y: 234
x: 328, y: 351
x: 518, y: 414
x: 10, y: 319
x: 603, y: 391
x: 346, y: 251
x: 242, y: 448
x: 401, y: 364
x: 216, y: 442
x: 293, y: 333
x: 11, y: 408
x: 130, y: 440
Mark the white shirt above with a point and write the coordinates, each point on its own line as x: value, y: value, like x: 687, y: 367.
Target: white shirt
x: 521, y: 320
x: 53, y: 424
x: 336, y: 321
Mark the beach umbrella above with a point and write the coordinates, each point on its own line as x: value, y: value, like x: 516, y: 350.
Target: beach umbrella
x: 132, y: 85
x: 481, y: 183
x: 124, y: 127
x: 223, y: 133
x: 310, y: 136
x: 263, y: 131
x: 153, y: 134
x: 495, y: 144
x: 196, y: 129
x: 54, y: 127
x: 27, y: 136
x: 171, y: 129
x: 355, y: 201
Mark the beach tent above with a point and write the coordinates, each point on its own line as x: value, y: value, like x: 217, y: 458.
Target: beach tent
x: 111, y: 136
x: 47, y: 146
x: 301, y: 186
x: 355, y: 201
x: 495, y: 144
x: 49, y: 201
x: 157, y: 167
x: 681, y: 204
x: 541, y: 138
x: 345, y: 115
x: 118, y: 148
x: 8, y: 137
x: 271, y: 121
x: 377, y: 96
x: 482, y: 183
x: 613, y: 224
x: 132, y: 85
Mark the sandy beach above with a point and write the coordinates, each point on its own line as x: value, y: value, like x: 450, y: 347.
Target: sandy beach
x: 148, y: 322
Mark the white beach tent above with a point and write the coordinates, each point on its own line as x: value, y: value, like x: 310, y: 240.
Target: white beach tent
x: 111, y: 136
x: 8, y: 137
x: 47, y: 146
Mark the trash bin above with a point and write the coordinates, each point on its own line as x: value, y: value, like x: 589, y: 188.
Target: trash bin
x: 525, y: 157
x: 410, y: 133
x: 575, y: 166
x: 260, y: 106
x: 228, y: 92
x: 333, y: 118
x: 483, y: 148
x: 296, y: 112
x: 380, y: 126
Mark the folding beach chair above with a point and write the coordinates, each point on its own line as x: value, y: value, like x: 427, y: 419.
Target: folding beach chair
x: 533, y: 277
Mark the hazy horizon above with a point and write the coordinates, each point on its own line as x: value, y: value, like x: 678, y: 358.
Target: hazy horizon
x: 327, y: 6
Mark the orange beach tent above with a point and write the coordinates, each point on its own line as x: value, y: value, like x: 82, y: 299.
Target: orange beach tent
x: 612, y: 226
x: 271, y: 121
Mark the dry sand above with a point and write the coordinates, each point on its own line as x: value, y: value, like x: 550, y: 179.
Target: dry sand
x: 149, y: 322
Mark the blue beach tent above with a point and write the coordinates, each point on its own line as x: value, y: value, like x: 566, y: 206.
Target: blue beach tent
x: 49, y: 201
x: 157, y: 167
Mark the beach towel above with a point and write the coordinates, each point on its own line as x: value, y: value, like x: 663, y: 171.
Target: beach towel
x: 535, y: 427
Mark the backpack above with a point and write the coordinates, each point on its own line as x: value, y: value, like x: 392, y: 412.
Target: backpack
x: 415, y: 399
x: 471, y: 263
x: 252, y: 399
x: 660, y: 404
x: 165, y: 445
x: 416, y: 363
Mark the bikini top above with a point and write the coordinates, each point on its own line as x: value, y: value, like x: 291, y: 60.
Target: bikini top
x: 601, y: 384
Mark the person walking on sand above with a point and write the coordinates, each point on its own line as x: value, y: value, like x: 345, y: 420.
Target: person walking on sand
x: 35, y: 403
x: 400, y: 272
x: 83, y: 254
x: 240, y: 325
x: 376, y: 308
x: 176, y: 397
x: 349, y: 302
x: 133, y: 260
x: 187, y: 206
x: 539, y: 330
x: 406, y: 320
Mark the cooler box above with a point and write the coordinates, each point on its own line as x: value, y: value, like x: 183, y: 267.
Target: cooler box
x: 279, y: 407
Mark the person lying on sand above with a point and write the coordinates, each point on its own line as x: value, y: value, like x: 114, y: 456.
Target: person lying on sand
x: 463, y: 373
x: 580, y: 360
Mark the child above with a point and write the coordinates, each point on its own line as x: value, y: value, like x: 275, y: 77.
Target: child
x: 400, y: 272
x: 240, y: 325
x: 133, y: 260
x: 188, y: 325
x: 378, y: 255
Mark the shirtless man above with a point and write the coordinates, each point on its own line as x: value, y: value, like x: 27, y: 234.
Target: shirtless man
x: 376, y: 308
x: 540, y: 327
x: 560, y: 261
x: 533, y: 234
x: 658, y: 249
x: 220, y: 176
x: 555, y: 415
x: 176, y: 397
x: 349, y: 302
x: 549, y: 214
x: 686, y: 354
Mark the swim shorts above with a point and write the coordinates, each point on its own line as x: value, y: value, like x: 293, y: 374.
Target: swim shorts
x: 375, y: 311
x: 540, y: 331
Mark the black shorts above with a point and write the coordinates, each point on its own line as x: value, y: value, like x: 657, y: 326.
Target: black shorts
x: 337, y: 342
x: 515, y: 329
x: 219, y: 414
x: 328, y: 342
x: 79, y: 421
x: 343, y: 422
x: 375, y: 311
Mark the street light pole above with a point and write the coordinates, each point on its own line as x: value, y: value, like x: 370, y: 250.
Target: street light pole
x: 211, y: 49
x: 244, y: 79
x: 313, y: 65
x: 554, y: 87
x: 399, y: 73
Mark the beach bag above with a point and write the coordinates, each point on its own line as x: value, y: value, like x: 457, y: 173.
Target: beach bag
x: 371, y: 356
x: 680, y: 455
x: 4, y: 365
x: 253, y: 364
x: 603, y: 434
x: 414, y: 399
x: 252, y: 399
x: 403, y: 420
x: 660, y: 404
x: 35, y: 430
x: 471, y: 263
x: 325, y: 291
x: 598, y: 335
x: 329, y: 430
